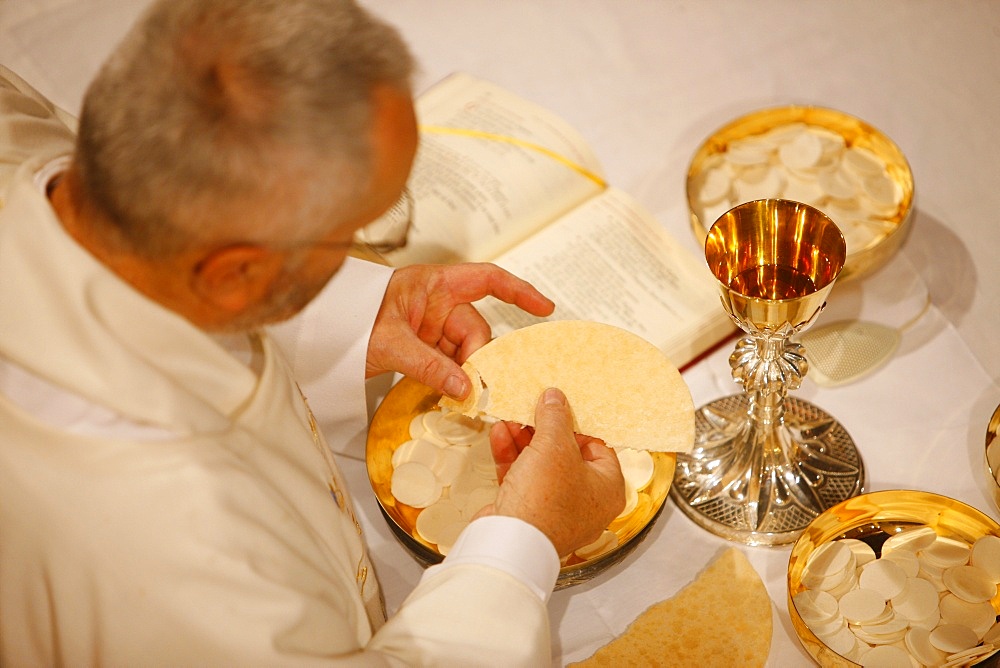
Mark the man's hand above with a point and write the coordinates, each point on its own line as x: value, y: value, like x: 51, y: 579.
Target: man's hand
x: 427, y: 326
x: 568, y: 486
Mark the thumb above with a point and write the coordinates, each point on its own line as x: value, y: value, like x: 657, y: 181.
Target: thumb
x: 553, y: 417
x: 437, y: 371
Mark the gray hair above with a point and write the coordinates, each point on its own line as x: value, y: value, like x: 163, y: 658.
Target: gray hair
x: 209, y: 103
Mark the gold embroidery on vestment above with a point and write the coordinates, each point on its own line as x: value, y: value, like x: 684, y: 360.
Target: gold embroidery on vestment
x: 339, y: 497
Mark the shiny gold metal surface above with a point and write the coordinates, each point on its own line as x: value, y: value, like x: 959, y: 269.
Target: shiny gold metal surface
x: 993, y: 455
x: 855, y: 133
x: 390, y: 428
x: 764, y: 465
x: 873, y: 517
x: 775, y: 233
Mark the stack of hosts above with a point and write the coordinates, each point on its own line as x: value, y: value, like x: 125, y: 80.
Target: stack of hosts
x: 165, y: 495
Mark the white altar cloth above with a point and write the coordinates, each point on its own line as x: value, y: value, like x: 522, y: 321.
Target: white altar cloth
x: 645, y: 81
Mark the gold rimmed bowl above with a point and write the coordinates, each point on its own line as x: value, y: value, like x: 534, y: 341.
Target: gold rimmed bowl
x: 873, y: 518
x: 390, y: 429
x: 739, y: 151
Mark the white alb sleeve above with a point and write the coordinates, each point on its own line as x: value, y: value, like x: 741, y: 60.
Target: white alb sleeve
x: 508, y: 544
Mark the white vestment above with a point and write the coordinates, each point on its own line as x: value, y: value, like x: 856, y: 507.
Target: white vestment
x: 191, y: 512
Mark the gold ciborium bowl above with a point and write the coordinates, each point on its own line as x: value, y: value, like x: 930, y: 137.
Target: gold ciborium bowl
x: 390, y: 429
x: 873, y: 518
x: 732, y: 167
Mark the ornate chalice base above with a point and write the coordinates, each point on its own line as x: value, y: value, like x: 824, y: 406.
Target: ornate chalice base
x: 763, y: 484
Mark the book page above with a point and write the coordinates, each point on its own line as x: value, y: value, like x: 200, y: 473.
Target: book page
x: 491, y: 169
x: 610, y: 261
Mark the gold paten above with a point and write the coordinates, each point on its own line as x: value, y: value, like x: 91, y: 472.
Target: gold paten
x: 855, y: 133
x: 390, y: 428
x: 872, y: 517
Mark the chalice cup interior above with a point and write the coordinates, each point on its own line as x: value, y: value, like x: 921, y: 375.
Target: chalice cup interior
x: 764, y: 464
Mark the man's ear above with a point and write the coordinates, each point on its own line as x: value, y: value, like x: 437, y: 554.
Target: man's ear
x: 234, y: 278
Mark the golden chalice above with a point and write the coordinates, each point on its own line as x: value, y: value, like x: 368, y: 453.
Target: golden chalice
x: 765, y: 464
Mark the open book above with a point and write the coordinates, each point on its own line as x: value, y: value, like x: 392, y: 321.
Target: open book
x: 500, y: 179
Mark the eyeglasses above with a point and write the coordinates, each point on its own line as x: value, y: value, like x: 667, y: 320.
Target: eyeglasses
x: 388, y: 232
x: 383, y: 235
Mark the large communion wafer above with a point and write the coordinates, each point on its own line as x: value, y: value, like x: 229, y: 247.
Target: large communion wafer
x: 621, y: 388
x: 723, y: 618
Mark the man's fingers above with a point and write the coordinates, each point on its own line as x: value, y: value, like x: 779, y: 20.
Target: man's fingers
x: 467, y: 330
x: 507, y: 440
x: 502, y: 443
x: 471, y: 282
x: 431, y: 367
x: 593, y: 449
x: 553, y: 418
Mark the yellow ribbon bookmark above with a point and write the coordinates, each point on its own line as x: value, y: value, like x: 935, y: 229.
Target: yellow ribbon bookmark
x: 481, y: 134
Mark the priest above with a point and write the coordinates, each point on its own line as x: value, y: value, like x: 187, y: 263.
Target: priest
x: 177, y: 300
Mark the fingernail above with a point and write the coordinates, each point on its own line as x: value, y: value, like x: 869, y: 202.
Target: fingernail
x: 454, y: 387
x: 554, y: 397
